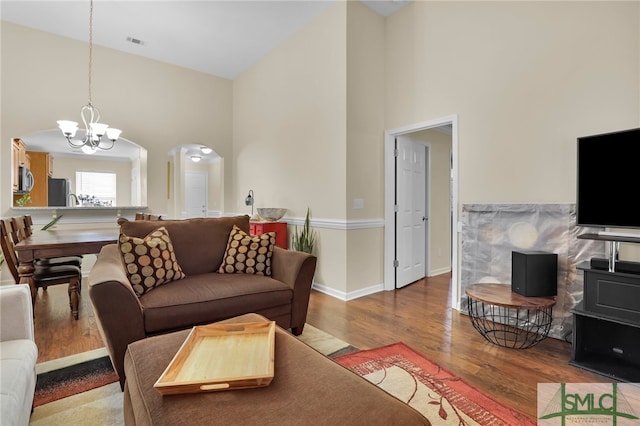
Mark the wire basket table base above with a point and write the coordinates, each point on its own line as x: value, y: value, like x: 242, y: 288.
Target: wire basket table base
x: 516, y: 328
x: 508, y: 319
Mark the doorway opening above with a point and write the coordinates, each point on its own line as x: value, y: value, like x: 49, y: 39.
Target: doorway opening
x: 395, y: 244
x: 195, y: 182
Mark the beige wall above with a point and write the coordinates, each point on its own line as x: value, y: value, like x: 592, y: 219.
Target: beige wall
x: 289, y: 122
x: 290, y: 134
x: 309, y: 118
x: 44, y: 79
x: 525, y: 78
x: 365, y: 135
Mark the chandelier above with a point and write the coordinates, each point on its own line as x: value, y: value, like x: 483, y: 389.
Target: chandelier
x: 94, y: 131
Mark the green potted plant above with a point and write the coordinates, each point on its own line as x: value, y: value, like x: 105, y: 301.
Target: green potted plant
x: 24, y: 200
x: 51, y: 223
x: 305, y: 240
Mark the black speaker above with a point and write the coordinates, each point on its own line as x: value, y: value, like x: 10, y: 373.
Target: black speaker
x: 534, y: 273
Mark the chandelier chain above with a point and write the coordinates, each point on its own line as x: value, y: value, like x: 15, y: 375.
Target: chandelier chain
x: 90, y: 45
x: 94, y: 130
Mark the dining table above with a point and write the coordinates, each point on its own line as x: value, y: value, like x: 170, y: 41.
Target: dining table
x: 58, y: 243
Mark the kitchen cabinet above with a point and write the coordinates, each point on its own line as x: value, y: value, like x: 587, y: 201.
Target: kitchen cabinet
x: 41, y: 170
x: 19, y: 158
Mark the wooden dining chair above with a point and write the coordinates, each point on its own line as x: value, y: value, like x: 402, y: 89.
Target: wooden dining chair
x: 43, y: 276
x: 140, y: 216
x: 23, y: 228
x: 147, y: 216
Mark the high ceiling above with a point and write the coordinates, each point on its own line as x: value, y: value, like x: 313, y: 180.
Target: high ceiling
x: 222, y: 38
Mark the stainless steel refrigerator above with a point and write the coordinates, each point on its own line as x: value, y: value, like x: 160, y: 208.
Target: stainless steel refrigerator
x: 58, y: 192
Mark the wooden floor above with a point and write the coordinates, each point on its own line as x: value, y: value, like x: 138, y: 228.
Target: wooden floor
x: 57, y: 333
x: 420, y: 315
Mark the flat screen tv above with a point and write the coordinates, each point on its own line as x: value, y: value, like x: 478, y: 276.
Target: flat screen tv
x: 609, y: 180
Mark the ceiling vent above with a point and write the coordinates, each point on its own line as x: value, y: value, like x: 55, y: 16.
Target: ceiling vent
x: 135, y: 41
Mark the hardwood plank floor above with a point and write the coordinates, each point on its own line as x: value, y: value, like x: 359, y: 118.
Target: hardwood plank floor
x: 420, y: 315
x: 57, y: 334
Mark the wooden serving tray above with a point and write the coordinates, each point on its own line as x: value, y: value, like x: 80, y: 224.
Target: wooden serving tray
x: 219, y: 357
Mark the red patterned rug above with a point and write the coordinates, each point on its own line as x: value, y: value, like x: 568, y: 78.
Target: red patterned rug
x: 439, y: 395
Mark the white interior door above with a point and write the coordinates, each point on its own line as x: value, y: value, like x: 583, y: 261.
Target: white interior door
x: 195, y: 194
x: 411, y: 217
x: 135, y: 185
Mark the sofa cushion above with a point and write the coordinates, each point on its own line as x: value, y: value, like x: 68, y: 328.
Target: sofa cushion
x: 248, y: 254
x: 149, y: 261
x: 210, y: 297
x: 199, y: 244
x: 17, y: 380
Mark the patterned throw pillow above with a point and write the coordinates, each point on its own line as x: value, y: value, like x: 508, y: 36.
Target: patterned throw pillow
x: 247, y: 254
x: 150, y: 261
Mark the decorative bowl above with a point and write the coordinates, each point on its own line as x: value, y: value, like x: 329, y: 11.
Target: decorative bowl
x: 271, y: 214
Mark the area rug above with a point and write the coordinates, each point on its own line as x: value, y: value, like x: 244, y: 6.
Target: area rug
x: 79, y: 377
x: 72, y: 380
x: 439, y: 395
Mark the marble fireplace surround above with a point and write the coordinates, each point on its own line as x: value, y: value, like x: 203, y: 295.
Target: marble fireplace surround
x: 490, y: 232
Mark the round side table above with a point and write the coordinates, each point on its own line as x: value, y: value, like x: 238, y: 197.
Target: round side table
x: 509, y: 319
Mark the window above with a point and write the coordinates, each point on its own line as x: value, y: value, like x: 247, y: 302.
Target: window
x: 96, y: 188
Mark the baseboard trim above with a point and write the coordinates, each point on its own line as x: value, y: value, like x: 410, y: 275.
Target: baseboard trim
x: 445, y: 270
x: 347, y: 296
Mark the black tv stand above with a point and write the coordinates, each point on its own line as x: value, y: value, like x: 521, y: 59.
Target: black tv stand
x: 606, y: 324
x: 614, y: 245
x: 602, y: 264
x: 606, y: 345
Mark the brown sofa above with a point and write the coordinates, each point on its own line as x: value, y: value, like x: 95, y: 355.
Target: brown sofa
x: 204, y: 296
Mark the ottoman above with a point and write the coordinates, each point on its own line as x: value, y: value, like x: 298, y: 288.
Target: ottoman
x: 307, y: 388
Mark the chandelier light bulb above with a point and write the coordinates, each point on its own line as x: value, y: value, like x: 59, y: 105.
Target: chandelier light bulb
x: 98, y: 129
x: 88, y: 149
x: 68, y: 128
x: 113, y: 134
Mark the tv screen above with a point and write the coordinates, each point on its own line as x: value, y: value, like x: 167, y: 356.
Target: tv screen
x: 609, y: 180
